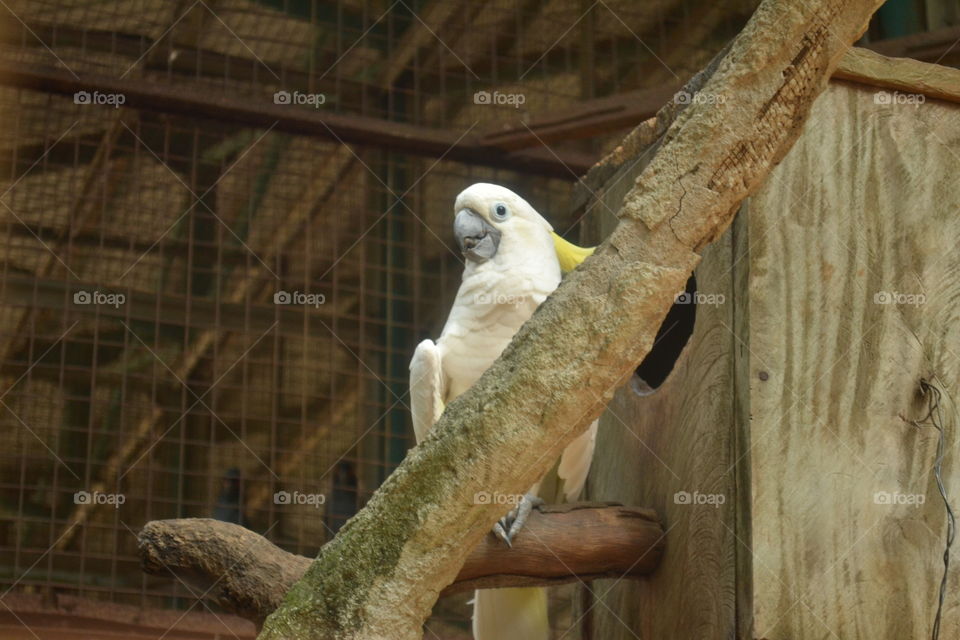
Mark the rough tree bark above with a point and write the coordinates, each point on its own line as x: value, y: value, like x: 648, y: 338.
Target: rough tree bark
x: 380, y: 576
x: 245, y: 574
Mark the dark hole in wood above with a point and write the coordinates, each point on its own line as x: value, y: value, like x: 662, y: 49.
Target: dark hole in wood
x: 671, y: 338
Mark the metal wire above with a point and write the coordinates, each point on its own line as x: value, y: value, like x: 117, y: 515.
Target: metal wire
x: 934, y: 419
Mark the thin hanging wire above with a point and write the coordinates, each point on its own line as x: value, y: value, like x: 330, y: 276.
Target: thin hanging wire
x: 934, y: 418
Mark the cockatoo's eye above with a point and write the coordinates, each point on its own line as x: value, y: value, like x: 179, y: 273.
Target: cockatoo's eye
x: 500, y: 212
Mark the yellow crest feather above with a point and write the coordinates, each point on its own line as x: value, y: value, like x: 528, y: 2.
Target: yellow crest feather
x: 569, y: 254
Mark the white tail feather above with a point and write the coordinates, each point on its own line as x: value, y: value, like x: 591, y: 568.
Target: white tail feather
x: 511, y: 614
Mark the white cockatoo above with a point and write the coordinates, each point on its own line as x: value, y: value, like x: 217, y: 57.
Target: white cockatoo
x: 514, y: 260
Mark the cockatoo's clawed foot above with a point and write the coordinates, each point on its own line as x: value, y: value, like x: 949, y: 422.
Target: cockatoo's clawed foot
x: 509, y: 525
x: 527, y: 503
x: 501, y: 533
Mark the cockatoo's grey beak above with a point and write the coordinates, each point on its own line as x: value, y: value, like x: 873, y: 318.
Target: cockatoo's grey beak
x: 478, y: 239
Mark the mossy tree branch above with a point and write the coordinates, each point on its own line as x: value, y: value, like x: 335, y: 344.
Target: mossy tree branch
x: 380, y: 576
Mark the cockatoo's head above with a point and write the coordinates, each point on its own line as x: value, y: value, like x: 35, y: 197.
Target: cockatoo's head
x: 488, y: 213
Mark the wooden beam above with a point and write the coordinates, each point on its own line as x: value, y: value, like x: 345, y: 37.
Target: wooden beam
x: 60, y: 616
x: 189, y: 62
x: 233, y: 314
x: 353, y: 129
x: 564, y: 543
x: 586, y: 120
x: 248, y: 575
x: 927, y: 46
x: 602, y: 116
x: 899, y: 74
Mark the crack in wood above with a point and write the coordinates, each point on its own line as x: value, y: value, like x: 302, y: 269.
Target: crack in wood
x: 781, y: 113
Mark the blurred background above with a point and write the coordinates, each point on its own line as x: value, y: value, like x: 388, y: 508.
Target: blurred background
x: 226, y: 225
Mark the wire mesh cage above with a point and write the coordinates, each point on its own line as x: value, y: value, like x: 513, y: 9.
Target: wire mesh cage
x: 211, y: 293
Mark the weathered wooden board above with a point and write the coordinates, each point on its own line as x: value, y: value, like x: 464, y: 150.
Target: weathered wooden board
x: 661, y: 449
x: 793, y: 398
x: 854, y: 296
x: 901, y: 74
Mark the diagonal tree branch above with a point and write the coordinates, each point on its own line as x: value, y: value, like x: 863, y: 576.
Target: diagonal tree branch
x: 380, y: 576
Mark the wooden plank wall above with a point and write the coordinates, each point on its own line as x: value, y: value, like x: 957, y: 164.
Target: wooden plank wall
x: 807, y: 377
x: 854, y: 297
x: 679, y: 439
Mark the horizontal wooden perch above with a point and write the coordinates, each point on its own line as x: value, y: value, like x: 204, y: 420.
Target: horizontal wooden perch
x: 248, y: 575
